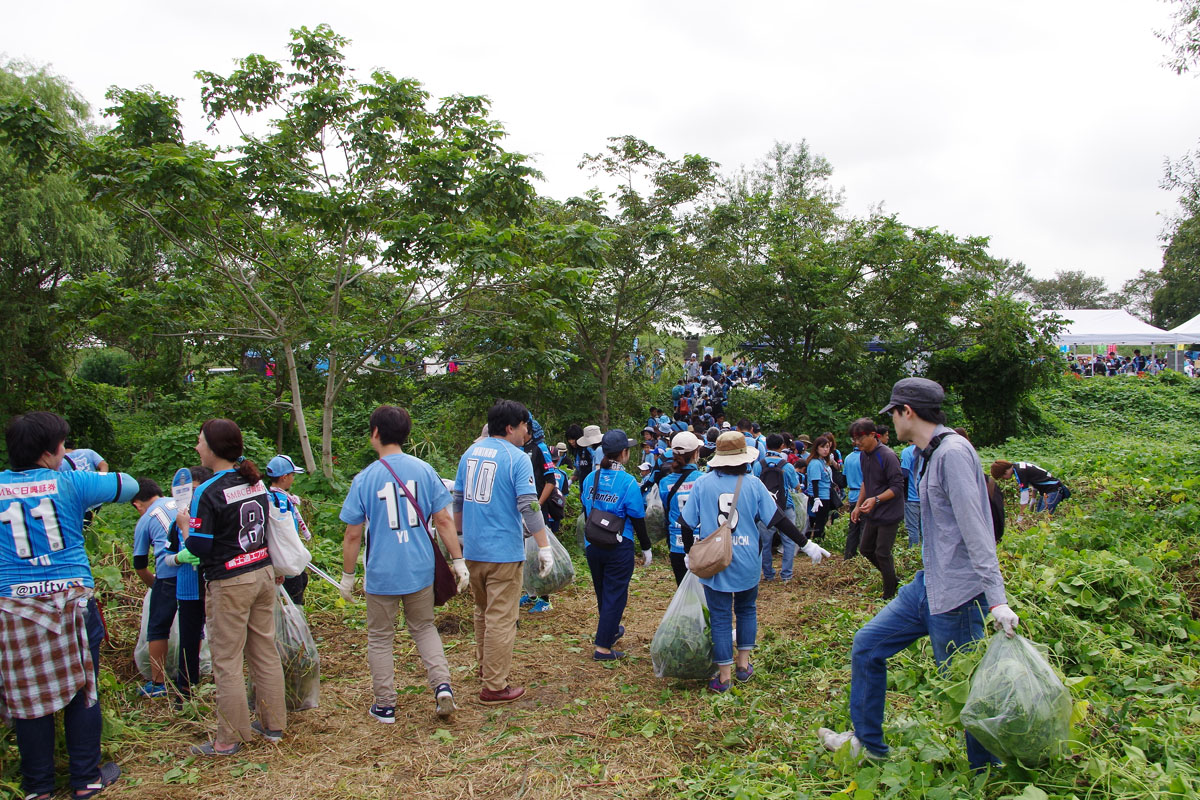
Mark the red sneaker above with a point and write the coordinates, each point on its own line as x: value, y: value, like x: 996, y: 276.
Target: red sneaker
x: 505, y: 695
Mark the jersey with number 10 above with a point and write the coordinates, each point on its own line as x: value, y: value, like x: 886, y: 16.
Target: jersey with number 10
x: 41, y: 527
x: 492, y: 474
x: 399, y: 558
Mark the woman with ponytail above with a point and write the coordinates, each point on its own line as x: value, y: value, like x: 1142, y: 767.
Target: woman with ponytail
x: 675, y: 488
x: 227, y: 537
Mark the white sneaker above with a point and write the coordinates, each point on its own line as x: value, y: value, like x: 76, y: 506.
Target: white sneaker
x: 834, y: 741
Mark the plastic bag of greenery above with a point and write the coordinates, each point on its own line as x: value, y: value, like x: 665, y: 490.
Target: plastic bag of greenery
x: 580, y: 527
x: 682, y: 645
x: 655, y: 521
x: 298, y: 654
x: 1017, y: 707
x: 141, y: 651
x: 562, y: 574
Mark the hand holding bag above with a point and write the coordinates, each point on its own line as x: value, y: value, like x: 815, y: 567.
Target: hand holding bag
x: 714, y: 552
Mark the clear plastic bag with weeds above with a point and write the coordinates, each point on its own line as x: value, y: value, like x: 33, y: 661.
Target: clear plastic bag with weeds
x: 141, y: 651
x: 1017, y: 707
x: 298, y: 654
x: 562, y: 574
x: 682, y: 645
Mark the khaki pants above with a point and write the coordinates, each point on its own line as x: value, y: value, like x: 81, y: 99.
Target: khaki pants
x: 497, y: 591
x: 241, y: 622
x: 381, y: 636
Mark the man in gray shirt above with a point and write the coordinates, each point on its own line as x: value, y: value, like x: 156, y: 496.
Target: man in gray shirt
x: 946, y: 600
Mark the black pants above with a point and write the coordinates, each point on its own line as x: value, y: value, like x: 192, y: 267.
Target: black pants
x: 817, y: 521
x: 678, y: 567
x: 876, y: 546
x: 191, y: 628
x: 295, y: 587
x: 853, y: 533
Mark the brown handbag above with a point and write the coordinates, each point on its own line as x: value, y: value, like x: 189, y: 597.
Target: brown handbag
x: 714, y: 552
x: 444, y: 584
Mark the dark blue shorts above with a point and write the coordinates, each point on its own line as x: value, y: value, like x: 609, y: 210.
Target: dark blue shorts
x: 162, y: 609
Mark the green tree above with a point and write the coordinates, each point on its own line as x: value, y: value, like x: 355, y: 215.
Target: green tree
x: 352, y: 221
x: 653, y: 256
x: 1011, y: 353
x: 1072, y: 288
x: 49, y: 233
x: 841, y: 307
x: 1178, y: 300
x: 1138, y: 294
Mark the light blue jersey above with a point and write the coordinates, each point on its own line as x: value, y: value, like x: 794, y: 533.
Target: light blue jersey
x: 492, y: 474
x: 908, y: 465
x: 818, y: 479
x: 41, y: 527
x: 81, y: 460
x: 852, y: 469
x: 399, y: 556
x: 709, y: 505
x: 153, y: 533
x: 619, y: 493
x: 675, y: 512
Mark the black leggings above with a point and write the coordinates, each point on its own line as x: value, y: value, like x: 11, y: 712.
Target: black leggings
x: 191, y: 628
x: 817, y: 521
x: 678, y: 567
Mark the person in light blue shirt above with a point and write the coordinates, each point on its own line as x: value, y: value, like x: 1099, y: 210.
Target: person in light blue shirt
x: 781, y: 480
x: 820, y: 475
x: 611, y: 489
x: 675, y: 488
x: 152, y: 534
x: 396, y: 499
x: 852, y: 469
x: 83, y: 460
x: 44, y: 571
x: 734, y: 590
x: 494, y: 501
x: 910, y: 465
x: 745, y: 427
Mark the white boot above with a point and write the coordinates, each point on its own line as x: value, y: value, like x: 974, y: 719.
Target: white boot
x: 834, y: 741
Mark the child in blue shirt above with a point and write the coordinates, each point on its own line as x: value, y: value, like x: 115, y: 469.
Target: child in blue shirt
x: 153, y: 534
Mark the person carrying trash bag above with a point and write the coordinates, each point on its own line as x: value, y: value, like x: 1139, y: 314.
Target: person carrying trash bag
x: 615, y: 512
x: 948, y: 599
x: 730, y: 496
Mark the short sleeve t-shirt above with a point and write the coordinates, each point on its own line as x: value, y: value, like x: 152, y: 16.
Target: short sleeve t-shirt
x: 41, y: 527
x: 708, y: 507
x: 491, y: 475
x: 81, y: 460
x: 399, y: 554
x: 153, y: 533
x: 818, y: 478
x: 852, y: 469
x: 678, y: 501
x: 619, y: 493
x: 232, y: 514
x: 908, y: 465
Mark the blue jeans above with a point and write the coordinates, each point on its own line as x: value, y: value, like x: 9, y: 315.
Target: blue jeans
x: 81, y: 725
x: 611, y: 569
x: 912, y: 522
x: 901, y: 622
x: 765, y: 537
x: 1050, y: 500
x: 721, y: 609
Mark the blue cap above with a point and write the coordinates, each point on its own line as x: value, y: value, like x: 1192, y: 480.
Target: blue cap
x: 615, y: 441
x: 279, y: 466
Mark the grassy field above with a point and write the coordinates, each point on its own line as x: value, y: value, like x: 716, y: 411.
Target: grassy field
x: 1109, y: 585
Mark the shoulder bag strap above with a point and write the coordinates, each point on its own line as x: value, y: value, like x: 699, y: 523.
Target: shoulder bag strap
x: 411, y: 499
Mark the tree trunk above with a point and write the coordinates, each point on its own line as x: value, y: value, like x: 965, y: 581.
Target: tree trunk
x: 327, y: 417
x: 310, y: 464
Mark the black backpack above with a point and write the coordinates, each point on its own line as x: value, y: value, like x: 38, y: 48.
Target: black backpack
x: 772, y: 478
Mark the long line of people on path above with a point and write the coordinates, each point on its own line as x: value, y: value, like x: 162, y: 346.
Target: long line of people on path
x: 213, y: 565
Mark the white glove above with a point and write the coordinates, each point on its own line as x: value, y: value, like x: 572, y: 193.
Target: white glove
x: 1005, y: 619
x: 815, y: 551
x: 346, y: 587
x: 647, y: 557
x: 545, y: 560
x: 460, y: 571
x: 687, y: 562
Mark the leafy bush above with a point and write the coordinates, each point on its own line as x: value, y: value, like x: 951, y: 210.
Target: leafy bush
x: 175, y: 447
x: 105, y: 366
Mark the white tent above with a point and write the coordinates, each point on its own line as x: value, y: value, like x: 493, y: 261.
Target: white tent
x: 1102, y: 326
x: 1189, y: 331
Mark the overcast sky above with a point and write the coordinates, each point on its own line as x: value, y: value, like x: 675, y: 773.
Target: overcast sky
x: 1043, y: 125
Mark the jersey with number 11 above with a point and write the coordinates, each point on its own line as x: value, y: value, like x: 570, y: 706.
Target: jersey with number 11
x: 41, y: 527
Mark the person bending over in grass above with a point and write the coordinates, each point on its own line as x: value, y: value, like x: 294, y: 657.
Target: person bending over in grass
x: 946, y: 601
x: 50, y: 626
x: 395, y: 498
x: 1030, y: 477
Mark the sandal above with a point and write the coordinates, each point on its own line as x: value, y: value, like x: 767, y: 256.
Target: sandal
x: 210, y: 749
x: 109, y: 772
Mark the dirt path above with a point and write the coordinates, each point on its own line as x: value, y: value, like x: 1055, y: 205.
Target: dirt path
x: 579, y: 731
